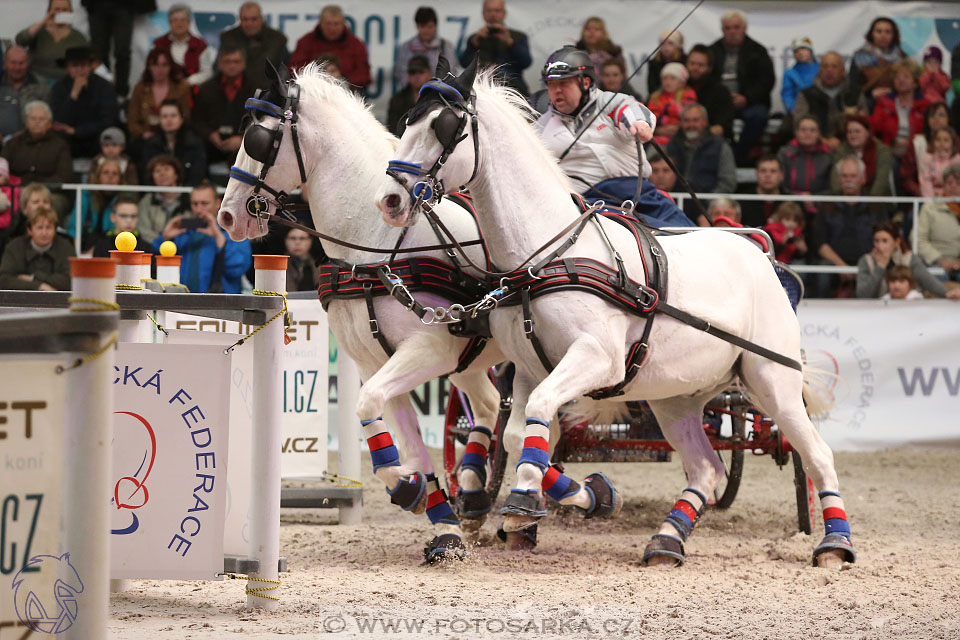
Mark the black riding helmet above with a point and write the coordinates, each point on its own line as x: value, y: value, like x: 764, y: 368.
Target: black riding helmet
x: 570, y: 62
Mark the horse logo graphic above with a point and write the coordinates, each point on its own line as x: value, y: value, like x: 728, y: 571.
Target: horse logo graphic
x: 130, y: 492
x: 47, y: 612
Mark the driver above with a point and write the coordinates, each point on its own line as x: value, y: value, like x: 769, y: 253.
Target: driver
x: 604, y: 161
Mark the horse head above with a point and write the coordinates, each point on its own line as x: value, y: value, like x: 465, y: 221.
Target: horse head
x: 438, y: 149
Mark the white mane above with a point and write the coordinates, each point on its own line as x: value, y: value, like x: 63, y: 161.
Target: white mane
x: 492, y: 96
x: 329, y: 91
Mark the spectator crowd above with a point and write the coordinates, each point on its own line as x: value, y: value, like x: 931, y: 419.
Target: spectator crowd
x: 867, y: 122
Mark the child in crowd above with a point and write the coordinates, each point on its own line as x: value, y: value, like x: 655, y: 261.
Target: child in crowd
x: 665, y: 102
x: 900, y: 284
x: 38, y: 261
x: 943, y: 153
x: 8, y: 198
x: 800, y: 76
x: 112, y: 145
x: 301, y: 272
x: 934, y: 82
x: 786, y: 229
x: 123, y: 217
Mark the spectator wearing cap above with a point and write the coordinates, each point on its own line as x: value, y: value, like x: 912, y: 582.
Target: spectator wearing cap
x: 872, y: 67
x: 859, y: 142
x: 48, y: 40
x: 933, y: 81
x: 218, y: 114
x: 671, y: 50
x: 18, y: 86
x: 666, y: 102
x: 84, y: 104
x: 595, y: 40
x: 259, y: 42
x: 38, y: 154
x: 743, y: 65
x: 112, y: 145
x: 426, y: 43
x: 497, y: 46
x: 801, y: 74
x: 830, y: 99
x: 711, y: 93
x: 418, y: 73
x: 192, y: 53
x: 162, y: 79
x: 898, y: 115
x: 703, y: 158
x: 331, y: 35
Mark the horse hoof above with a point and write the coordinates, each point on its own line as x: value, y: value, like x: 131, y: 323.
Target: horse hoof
x: 410, y: 494
x: 447, y: 546
x: 474, y: 504
x: 607, y: 501
x: 521, y: 540
x: 664, y: 551
x: 524, y: 504
x: 833, y: 551
x: 471, y: 529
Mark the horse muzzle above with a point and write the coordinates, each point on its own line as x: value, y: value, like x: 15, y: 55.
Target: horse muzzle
x: 396, y: 209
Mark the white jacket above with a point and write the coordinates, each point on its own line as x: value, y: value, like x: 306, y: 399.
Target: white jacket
x: 607, y: 150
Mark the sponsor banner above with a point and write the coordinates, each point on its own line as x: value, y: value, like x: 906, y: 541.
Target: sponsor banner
x: 31, y: 449
x: 892, y: 367
x: 169, y: 461
x: 549, y: 25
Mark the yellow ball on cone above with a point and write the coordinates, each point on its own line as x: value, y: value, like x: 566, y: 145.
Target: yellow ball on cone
x: 125, y: 241
x: 168, y: 249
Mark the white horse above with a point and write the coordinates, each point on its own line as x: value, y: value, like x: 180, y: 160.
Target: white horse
x: 344, y: 150
x: 523, y: 200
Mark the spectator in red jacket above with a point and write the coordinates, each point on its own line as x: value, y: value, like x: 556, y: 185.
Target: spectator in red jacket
x: 332, y: 36
x: 187, y: 50
x: 885, y: 119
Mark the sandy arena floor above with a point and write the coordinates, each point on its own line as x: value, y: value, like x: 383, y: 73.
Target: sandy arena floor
x: 748, y: 572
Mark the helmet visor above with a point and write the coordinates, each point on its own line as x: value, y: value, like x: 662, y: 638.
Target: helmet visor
x: 560, y: 69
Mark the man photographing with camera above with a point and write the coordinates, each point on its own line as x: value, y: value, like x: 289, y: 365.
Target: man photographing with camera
x: 499, y: 46
x: 211, y: 260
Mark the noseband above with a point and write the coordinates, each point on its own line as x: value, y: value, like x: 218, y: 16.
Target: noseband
x: 449, y: 128
x: 263, y: 145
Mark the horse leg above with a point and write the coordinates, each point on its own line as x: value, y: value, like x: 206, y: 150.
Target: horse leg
x: 474, y: 502
x: 778, y: 392
x: 585, y: 366
x: 681, y: 421
x: 409, y: 487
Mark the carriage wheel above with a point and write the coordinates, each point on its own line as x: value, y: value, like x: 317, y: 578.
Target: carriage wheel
x: 806, y: 496
x: 732, y: 460
x: 456, y: 429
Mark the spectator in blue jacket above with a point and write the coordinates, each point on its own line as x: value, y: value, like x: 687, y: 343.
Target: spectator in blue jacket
x: 211, y: 262
x: 799, y: 76
x: 506, y: 49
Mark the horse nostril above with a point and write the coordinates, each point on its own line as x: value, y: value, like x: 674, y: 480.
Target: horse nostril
x: 226, y: 219
x: 392, y: 201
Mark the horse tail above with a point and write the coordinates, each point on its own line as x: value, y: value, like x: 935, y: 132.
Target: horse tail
x: 818, y: 387
x: 607, y: 411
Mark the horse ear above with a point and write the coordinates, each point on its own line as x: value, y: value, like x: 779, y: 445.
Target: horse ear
x: 443, y: 67
x: 273, y: 76
x: 465, y: 80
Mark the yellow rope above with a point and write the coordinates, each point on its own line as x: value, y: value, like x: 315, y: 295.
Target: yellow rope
x: 158, y: 325
x: 128, y: 287
x: 99, y: 305
x: 348, y: 482
x: 260, y: 592
x: 283, y: 312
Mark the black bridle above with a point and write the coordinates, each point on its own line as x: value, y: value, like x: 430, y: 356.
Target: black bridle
x: 449, y: 126
x: 263, y: 145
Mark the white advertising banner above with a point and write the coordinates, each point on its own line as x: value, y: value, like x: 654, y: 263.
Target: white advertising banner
x: 551, y: 24
x: 170, y: 453
x: 31, y: 449
x: 895, y: 368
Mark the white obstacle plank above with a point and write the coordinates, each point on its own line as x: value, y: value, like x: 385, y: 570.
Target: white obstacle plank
x: 348, y: 431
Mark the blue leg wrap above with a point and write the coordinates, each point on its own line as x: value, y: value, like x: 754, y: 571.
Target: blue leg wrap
x: 681, y: 522
x: 385, y: 457
x: 477, y: 463
x: 560, y: 485
x: 703, y: 498
x: 838, y: 526
x: 534, y: 456
x: 543, y: 423
x: 824, y: 494
x: 366, y: 423
x: 442, y: 513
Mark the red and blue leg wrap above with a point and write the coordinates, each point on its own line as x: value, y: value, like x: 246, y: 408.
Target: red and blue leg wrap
x: 684, y: 516
x: 536, y: 449
x: 557, y: 485
x: 834, y: 518
x: 475, y: 457
x: 438, y: 507
x: 383, y: 452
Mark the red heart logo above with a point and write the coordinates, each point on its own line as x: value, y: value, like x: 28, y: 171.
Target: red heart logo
x: 130, y: 487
